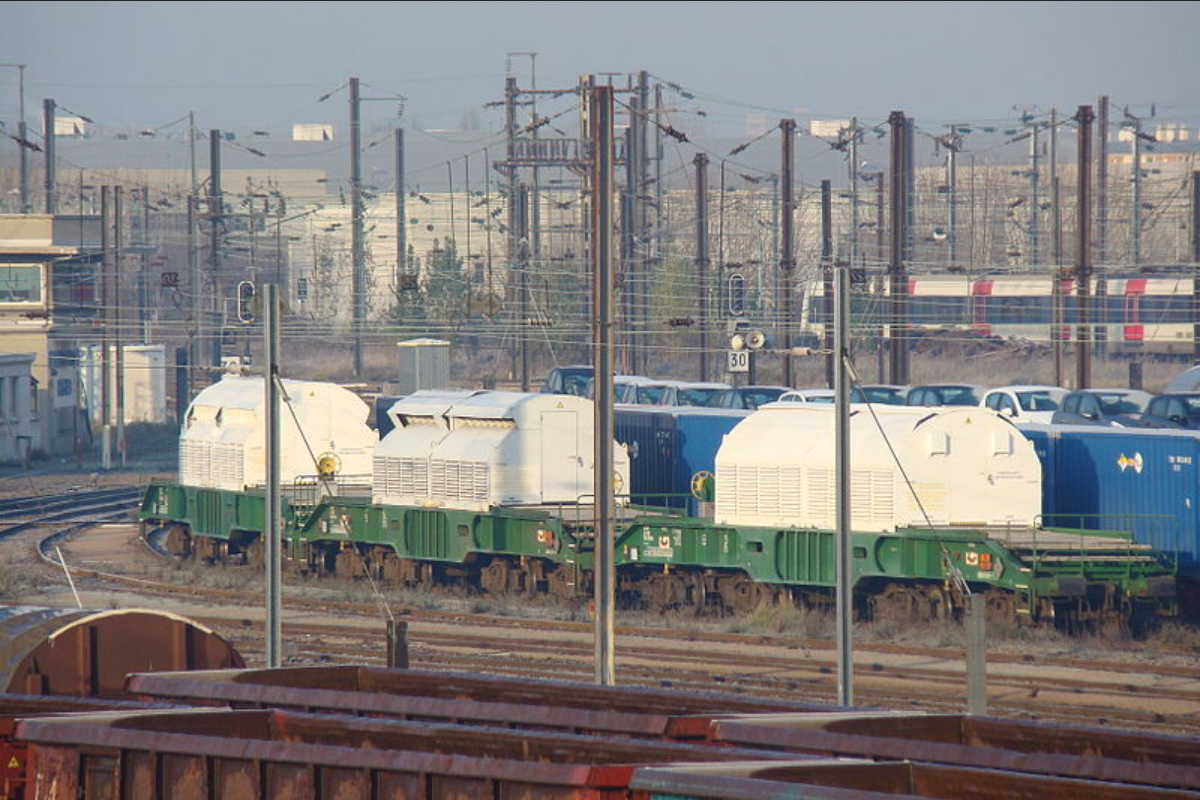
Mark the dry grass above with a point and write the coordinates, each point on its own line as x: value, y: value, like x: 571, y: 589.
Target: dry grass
x: 1176, y: 634
x: 785, y: 620
x: 15, y: 583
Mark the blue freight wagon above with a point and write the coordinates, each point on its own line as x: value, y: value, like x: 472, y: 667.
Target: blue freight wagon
x: 1139, y: 480
x: 668, y: 446
x: 383, y: 404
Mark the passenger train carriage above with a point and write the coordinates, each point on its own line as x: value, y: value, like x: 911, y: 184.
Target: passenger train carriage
x: 1140, y: 314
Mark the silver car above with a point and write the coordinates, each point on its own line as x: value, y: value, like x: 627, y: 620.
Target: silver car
x: 1112, y: 407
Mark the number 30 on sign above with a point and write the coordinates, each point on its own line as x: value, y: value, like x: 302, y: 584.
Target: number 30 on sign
x: 738, y: 360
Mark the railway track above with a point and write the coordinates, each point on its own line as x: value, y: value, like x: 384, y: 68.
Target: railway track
x: 1056, y: 689
x: 1161, y: 694
x: 103, y: 505
x: 47, y: 504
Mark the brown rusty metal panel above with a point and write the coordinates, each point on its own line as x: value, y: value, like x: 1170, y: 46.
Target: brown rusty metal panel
x: 449, y: 787
x: 832, y: 780
x: 980, y: 784
x: 894, y: 777
x: 401, y: 785
x: 184, y: 777
x: 233, y: 777
x: 1023, y: 736
x: 179, y: 688
x: 529, y: 691
x: 518, y: 791
x: 139, y: 776
x: 345, y: 784
x: 101, y: 779
x: 410, y: 694
x: 54, y: 773
x: 88, y: 653
x: 1082, y: 741
x: 286, y: 781
x: 291, y: 749
x: 931, y: 739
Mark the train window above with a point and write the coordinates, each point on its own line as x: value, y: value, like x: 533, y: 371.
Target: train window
x: 938, y: 310
x: 1165, y: 309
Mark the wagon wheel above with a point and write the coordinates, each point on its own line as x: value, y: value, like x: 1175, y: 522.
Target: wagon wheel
x: 899, y: 604
x: 1001, y: 607
x: 741, y: 594
x: 256, y: 554
x: 424, y: 573
x: 495, y: 577
x: 699, y: 593
x: 1114, y: 622
x: 561, y: 583
x: 939, y: 603
x: 208, y: 549
x: 177, y: 541
x: 666, y: 591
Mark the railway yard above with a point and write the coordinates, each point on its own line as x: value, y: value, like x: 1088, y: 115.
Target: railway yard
x: 614, y: 440
x: 525, y: 666
x: 1153, y: 684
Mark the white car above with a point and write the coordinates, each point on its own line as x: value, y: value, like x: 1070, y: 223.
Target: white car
x: 688, y: 393
x: 1026, y: 403
x: 822, y: 396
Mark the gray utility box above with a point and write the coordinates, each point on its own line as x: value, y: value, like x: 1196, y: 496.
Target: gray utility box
x: 424, y: 364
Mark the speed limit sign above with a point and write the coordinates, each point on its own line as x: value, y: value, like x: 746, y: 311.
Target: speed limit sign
x: 738, y: 360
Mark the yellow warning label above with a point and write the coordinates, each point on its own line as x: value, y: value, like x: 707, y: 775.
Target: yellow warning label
x: 13, y: 763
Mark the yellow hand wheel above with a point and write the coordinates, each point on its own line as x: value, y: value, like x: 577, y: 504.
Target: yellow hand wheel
x: 328, y: 465
x: 703, y: 485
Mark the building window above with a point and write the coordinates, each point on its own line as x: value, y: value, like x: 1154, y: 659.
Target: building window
x: 20, y: 283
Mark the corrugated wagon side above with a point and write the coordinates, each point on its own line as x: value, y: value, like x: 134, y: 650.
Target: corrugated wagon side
x: 269, y: 754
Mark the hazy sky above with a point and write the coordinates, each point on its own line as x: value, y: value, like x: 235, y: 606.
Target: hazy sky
x: 260, y: 65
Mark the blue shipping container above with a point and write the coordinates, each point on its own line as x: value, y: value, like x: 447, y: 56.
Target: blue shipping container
x: 1143, y: 481
x: 1040, y: 436
x: 668, y: 446
x: 383, y: 404
x: 649, y: 436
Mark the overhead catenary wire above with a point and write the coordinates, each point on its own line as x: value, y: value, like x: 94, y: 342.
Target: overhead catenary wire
x: 549, y: 292
x: 956, y: 575
x: 380, y: 599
